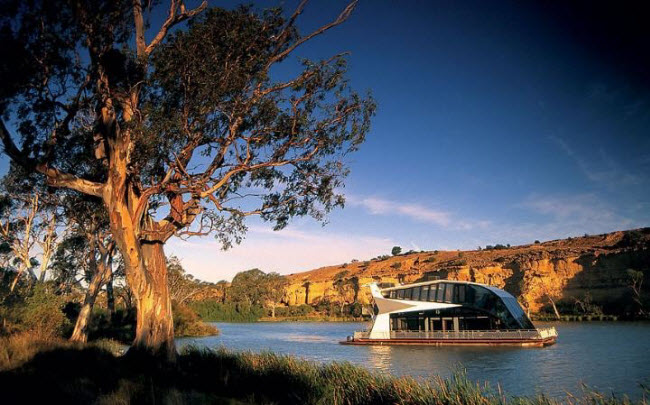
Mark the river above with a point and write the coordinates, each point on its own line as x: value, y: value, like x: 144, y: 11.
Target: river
x: 612, y: 357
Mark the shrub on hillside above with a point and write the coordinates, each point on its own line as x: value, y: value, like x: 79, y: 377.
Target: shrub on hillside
x: 294, y: 310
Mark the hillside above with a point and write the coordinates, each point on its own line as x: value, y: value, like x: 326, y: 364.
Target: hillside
x: 591, y: 267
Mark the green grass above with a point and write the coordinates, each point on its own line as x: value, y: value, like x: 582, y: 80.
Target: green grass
x: 59, y: 372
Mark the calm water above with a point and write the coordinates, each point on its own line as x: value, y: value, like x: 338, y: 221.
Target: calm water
x: 611, y: 357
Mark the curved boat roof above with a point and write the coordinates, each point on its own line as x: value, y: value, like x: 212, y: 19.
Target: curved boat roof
x: 501, y: 293
x: 398, y: 287
x: 508, y: 300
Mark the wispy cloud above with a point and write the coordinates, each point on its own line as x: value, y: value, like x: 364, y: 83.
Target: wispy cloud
x: 603, y: 170
x: 286, y: 251
x: 568, y: 214
x: 418, y: 212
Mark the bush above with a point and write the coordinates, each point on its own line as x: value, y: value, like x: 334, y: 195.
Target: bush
x: 498, y: 246
x: 213, y: 311
x: 120, y: 326
x: 42, y: 313
x: 295, y: 310
x: 187, y: 322
x: 355, y: 309
x: 396, y: 265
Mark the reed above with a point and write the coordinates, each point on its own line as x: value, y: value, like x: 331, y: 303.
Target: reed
x: 94, y: 373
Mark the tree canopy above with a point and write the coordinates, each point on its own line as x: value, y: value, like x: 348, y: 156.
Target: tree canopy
x: 185, y: 134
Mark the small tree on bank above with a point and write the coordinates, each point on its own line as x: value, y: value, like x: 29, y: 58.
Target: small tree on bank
x: 396, y: 250
x: 186, y: 134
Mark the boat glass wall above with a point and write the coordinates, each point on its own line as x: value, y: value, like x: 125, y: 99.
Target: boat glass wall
x: 503, y: 307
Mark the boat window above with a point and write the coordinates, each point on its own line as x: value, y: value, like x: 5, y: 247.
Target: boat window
x: 459, y: 294
x: 449, y: 293
x: 400, y: 294
x: 482, y: 298
x: 470, y: 294
x: 392, y: 294
x: 407, y: 293
x: 424, y: 293
x: 440, y: 296
x: 432, y: 292
x: 416, y: 294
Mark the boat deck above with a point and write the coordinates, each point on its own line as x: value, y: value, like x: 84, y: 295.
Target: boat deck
x: 521, y: 337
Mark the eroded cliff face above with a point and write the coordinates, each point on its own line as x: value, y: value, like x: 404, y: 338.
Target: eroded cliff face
x: 562, y: 270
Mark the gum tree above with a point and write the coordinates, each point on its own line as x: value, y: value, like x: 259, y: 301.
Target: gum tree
x: 178, y: 130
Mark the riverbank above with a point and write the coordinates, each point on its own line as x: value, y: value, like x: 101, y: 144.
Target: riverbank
x: 95, y: 374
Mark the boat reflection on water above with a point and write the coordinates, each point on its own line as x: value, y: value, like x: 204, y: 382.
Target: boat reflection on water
x: 381, y: 357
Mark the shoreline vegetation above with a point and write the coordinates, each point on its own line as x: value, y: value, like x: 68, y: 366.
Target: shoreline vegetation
x: 96, y: 373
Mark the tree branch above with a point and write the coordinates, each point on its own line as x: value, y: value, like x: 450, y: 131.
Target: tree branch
x: 172, y: 19
x: 340, y: 19
x: 55, y: 177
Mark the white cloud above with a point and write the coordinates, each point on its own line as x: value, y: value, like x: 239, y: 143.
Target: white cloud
x: 287, y: 251
x: 568, y: 215
x: 418, y: 212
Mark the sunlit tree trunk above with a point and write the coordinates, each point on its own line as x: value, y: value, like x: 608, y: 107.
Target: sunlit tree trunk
x: 80, y: 333
x: 146, y: 273
x: 101, y: 271
x: 155, y: 326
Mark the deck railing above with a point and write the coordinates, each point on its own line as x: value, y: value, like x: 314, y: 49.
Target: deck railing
x: 541, y: 333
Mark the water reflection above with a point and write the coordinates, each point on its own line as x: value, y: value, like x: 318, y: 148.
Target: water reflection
x: 380, y: 357
x: 611, y: 357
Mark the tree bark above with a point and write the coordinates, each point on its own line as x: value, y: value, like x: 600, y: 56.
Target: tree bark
x: 110, y: 295
x: 155, y: 325
x: 145, y: 266
x: 80, y: 333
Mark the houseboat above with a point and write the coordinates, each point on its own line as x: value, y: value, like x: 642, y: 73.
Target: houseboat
x: 446, y: 312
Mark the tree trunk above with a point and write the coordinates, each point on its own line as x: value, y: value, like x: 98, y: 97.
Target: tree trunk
x: 155, y: 325
x: 557, y: 313
x: 80, y: 333
x: 22, y: 269
x: 145, y: 266
x: 110, y: 295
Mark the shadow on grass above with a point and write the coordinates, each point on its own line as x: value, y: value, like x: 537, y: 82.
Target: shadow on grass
x: 94, y: 375
x: 86, y: 375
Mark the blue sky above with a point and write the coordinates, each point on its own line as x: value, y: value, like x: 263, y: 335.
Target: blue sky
x: 495, y: 124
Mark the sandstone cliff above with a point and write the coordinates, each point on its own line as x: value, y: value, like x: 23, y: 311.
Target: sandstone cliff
x: 562, y: 270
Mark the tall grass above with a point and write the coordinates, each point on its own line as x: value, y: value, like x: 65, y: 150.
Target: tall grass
x: 284, y: 379
x: 47, y: 371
